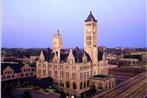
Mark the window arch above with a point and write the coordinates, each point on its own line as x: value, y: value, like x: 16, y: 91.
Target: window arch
x: 74, y: 85
x: 100, y: 86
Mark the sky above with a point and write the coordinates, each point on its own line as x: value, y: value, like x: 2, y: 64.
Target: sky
x: 32, y: 23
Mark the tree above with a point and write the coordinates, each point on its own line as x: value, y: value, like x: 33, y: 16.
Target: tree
x: 26, y: 94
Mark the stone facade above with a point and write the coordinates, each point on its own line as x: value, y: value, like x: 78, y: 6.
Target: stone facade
x: 90, y: 37
x: 71, y: 69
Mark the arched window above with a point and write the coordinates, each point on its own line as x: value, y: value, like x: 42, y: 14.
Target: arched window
x: 81, y: 84
x: 44, y: 72
x: 100, y: 86
x: 61, y: 83
x: 84, y: 84
x: 39, y: 71
x: 74, y: 85
x: 67, y: 84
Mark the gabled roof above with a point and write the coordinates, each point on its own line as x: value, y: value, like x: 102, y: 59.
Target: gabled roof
x: 48, y: 54
x: 77, y: 53
x: 15, y: 67
x: 90, y: 17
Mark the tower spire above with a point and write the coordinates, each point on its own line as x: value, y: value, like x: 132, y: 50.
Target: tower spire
x: 90, y: 38
x: 90, y: 12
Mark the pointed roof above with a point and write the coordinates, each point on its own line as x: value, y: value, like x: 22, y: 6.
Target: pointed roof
x: 71, y: 53
x: 90, y: 17
x: 57, y: 34
x: 42, y: 56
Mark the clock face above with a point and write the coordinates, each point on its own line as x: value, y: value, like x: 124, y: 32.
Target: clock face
x: 88, y: 30
x: 93, y: 30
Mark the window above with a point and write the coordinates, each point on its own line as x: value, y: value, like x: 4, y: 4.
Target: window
x: 87, y: 83
x: 21, y: 75
x: 73, y: 75
x: 39, y: 71
x: 88, y: 37
x: 3, y: 77
x: 67, y: 67
x: 31, y: 73
x: 61, y: 83
x: 81, y: 75
x: 88, y: 42
x: 94, y: 72
x: 87, y: 74
x: 74, y: 68
x: 74, y: 85
x: 50, y: 72
x: 39, y: 65
x: 61, y: 74
x: 8, y: 76
x: 44, y: 65
x: 6, y: 72
x: 50, y: 66
x: 67, y: 84
x: 13, y: 76
x: 84, y: 84
x: 81, y: 85
x: 91, y: 73
x: 61, y: 66
x: 55, y: 73
x: 84, y: 74
x: 100, y: 86
x: 26, y: 74
x: 67, y: 74
x: 44, y: 72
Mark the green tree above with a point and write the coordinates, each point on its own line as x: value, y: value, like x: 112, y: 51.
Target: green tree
x: 26, y: 94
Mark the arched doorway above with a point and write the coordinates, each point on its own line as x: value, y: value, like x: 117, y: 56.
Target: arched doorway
x: 100, y: 86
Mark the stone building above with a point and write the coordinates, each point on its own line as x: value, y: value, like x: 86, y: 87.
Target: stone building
x: 102, y: 82
x: 71, y: 69
x: 11, y: 71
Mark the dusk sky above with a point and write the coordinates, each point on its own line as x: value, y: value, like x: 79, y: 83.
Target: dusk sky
x: 32, y: 23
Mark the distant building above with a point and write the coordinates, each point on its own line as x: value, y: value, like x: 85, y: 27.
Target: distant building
x: 71, y: 69
x: 11, y: 71
x: 102, y: 82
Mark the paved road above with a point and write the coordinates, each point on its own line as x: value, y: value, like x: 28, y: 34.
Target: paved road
x: 132, y: 88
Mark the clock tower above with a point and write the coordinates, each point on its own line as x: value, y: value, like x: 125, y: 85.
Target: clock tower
x: 90, y: 38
